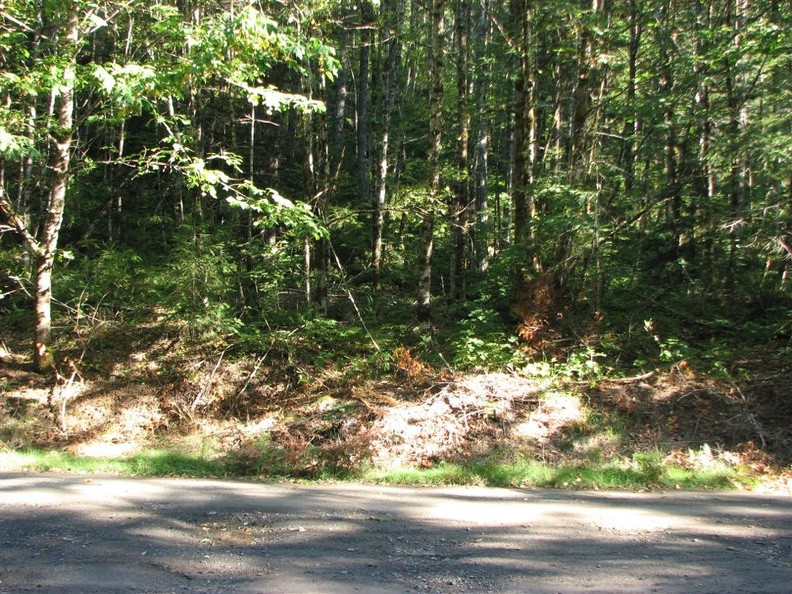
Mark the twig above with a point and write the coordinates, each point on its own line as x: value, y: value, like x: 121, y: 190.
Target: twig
x: 450, y: 369
x: 257, y: 366
x: 697, y: 391
x: 360, y: 317
x: 250, y: 377
x: 739, y: 392
x: 695, y: 429
x: 752, y: 420
x: 620, y: 380
x: 62, y: 392
x: 208, y: 384
x: 631, y: 380
x: 351, y: 297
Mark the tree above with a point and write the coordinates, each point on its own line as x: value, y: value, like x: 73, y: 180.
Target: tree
x: 525, y: 131
x: 437, y: 19
x: 390, y: 44
x: 59, y: 51
x: 460, y: 202
x: 481, y: 227
x: 58, y: 66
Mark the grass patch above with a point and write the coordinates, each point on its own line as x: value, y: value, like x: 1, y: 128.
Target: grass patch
x: 526, y: 473
x: 691, y: 480
x: 151, y: 463
x: 519, y: 472
x: 167, y: 463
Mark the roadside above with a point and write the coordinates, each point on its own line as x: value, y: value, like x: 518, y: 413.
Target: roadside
x: 81, y: 533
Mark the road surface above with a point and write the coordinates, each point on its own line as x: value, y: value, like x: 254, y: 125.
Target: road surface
x: 64, y: 533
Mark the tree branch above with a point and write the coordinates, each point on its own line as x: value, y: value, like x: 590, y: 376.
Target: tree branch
x: 17, y: 224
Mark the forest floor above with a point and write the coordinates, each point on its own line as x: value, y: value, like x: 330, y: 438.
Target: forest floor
x: 122, y: 391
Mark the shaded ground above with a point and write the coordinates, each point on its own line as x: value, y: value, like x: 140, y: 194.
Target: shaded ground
x: 68, y: 533
x: 124, y: 390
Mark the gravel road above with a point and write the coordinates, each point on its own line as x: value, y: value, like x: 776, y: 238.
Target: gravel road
x: 80, y: 534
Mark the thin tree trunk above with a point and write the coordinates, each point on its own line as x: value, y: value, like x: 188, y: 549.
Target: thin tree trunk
x: 704, y: 183
x: 787, y: 245
x: 632, y: 125
x: 481, y: 152
x: 435, y: 136
x: 316, y: 176
x: 393, y: 14
x: 363, y: 102
x: 461, y: 200
x: 338, y: 106
x: 738, y: 120
x: 671, y: 148
x: 581, y: 99
x: 524, y: 157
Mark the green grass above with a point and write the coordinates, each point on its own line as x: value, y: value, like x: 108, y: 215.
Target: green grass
x: 533, y: 474
x: 516, y: 473
x: 151, y: 463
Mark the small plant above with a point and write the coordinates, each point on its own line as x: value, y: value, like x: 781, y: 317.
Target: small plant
x: 671, y: 350
x: 582, y: 365
x: 199, y: 285
x: 651, y: 466
x: 483, y: 342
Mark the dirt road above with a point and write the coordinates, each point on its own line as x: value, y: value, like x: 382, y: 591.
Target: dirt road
x: 70, y: 533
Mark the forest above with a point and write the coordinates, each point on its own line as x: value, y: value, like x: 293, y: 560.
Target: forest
x: 582, y: 192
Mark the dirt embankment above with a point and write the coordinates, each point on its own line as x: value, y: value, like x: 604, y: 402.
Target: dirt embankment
x: 131, y: 391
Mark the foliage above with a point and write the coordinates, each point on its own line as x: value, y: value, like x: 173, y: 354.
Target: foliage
x: 482, y: 342
x: 198, y: 286
x: 15, y: 276
x: 582, y: 364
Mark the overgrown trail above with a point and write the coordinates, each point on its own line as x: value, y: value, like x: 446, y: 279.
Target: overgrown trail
x: 70, y: 533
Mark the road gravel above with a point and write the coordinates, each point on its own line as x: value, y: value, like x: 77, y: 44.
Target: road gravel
x: 68, y: 533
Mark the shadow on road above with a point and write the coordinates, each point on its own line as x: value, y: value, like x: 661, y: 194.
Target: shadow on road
x: 63, y: 533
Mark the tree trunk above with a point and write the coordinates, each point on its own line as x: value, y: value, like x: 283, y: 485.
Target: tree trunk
x: 460, y: 206
x: 787, y: 245
x: 738, y: 120
x: 581, y: 99
x: 363, y: 102
x: 481, y: 153
x: 435, y: 139
x: 337, y: 108
x: 524, y: 123
x: 671, y: 147
x: 56, y: 201
x: 392, y: 21
x: 704, y: 180
x: 632, y: 126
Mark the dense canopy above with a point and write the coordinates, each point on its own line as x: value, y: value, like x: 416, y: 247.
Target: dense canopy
x: 491, y: 181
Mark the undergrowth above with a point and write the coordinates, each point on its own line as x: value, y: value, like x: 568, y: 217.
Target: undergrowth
x: 647, y: 386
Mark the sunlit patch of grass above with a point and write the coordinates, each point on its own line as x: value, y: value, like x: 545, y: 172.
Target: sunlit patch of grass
x: 168, y: 463
x: 441, y: 474
x: 526, y: 473
x: 150, y: 463
x: 53, y: 460
x: 682, y: 478
x: 12, y: 460
x: 646, y: 472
